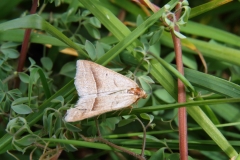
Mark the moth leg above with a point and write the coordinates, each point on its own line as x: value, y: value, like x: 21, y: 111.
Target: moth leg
x: 116, y: 112
x: 98, y: 116
x: 129, y: 107
x: 97, y: 125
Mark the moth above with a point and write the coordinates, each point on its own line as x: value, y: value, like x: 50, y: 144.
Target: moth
x: 101, y: 90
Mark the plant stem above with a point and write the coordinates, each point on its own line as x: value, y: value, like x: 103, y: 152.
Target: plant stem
x: 144, y: 137
x: 182, y: 114
x: 97, y: 125
x: 24, y: 48
x: 100, y: 139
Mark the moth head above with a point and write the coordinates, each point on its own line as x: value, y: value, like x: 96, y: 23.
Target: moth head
x: 138, y: 91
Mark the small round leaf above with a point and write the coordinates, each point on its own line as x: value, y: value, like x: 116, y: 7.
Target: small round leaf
x: 68, y: 69
x: 11, y: 53
x: 147, y: 116
x: 24, y: 77
x: 22, y: 109
x: 47, y: 63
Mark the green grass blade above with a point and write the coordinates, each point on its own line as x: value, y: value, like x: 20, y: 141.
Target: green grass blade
x: 212, y: 83
x: 207, y: 7
x: 200, y: 117
x: 37, y: 22
x: 211, y: 32
x: 215, y: 51
x: 46, y: 89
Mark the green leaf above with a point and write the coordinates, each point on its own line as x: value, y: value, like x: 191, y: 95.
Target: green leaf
x: 152, y: 138
x: 185, y: 15
x: 2, y: 96
x: 159, y: 155
x: 179, y: 35
x: 58, y: 122
x: 23, y: 77
x: 11, y: 53
x: 95, y: 22
x: 45, y: 120
x: 164, y: 95
x: 22, y: 100
x: 9, y: 45
x: 15, y: 92
x: 58, y: 99
x: 19, y: 148
x: 47, y: 63
x: 6, y: 67
x: 32, y: 61
x: 45, y: 83
x: 99, y: 50
x: 68, y: 147
x: 110, y: 123
x: 156, y: 37
x: 50, y: 124
x: 34, y: 76
x: 190, y: 61
x: 34, y: 21
x: 6, y: 105
x: 217, y: 52
x: 90, y: 48
x: 211, y: 33
x: 22, y: 109
x: 147, y: 116
x: 146, y: 79
x: 174, y: 156
x: 3, y: 86
x: 127, y: 121
x: 85, y: 13
x: 94, y: 32
x: 145, y: 83
x: 68, y: 69
x: 27, y: 140
x: 57, y: 2
x: 213, y: 83
x: 238, y: 157
x: 72, y: 128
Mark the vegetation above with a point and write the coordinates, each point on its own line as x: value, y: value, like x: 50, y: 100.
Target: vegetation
x: 37, y: 74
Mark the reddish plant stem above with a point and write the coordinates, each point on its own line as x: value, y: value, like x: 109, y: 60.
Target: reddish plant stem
x: 182, y: 114
x: 24, y: 48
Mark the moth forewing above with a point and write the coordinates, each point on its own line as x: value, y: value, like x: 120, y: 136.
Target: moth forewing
x: 101, y: 90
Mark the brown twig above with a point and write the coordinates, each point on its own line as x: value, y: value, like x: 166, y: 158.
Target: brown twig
x: 144, y: 136
x: 24, y: 48
x: 100, y: 139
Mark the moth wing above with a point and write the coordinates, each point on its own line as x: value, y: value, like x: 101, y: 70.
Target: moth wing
x: 84, y: 105
x: 92, y: 78
x: 92, y: 106
x: 114, y: 102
